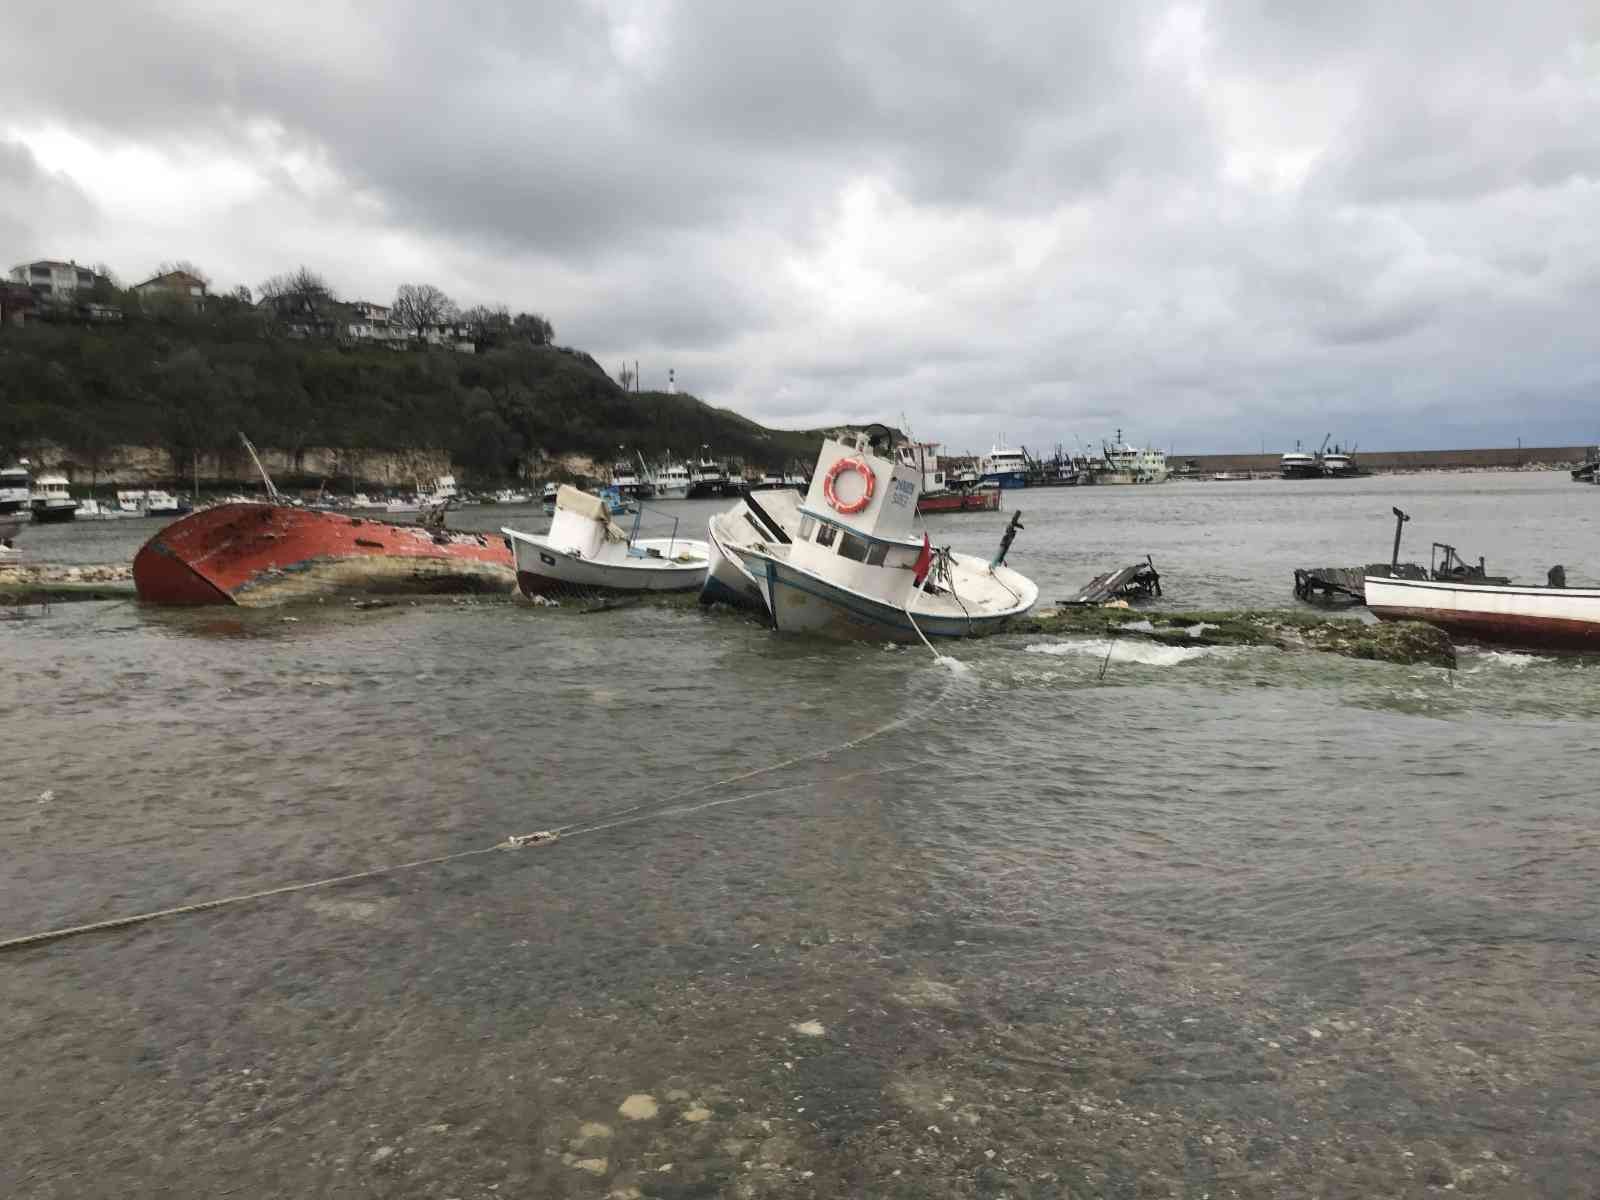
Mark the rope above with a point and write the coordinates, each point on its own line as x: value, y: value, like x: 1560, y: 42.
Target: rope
x: 626, y: 816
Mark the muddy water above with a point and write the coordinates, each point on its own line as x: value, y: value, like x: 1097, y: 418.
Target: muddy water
x: 1220, y: 923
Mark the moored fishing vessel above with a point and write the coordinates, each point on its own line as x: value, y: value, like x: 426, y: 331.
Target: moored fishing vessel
x: 672, y: 481
x: 708, y: 478
x: 1124, y: 463
x: 15, y: 489
x: 586, y: 553
x: 51, y: 501
x: 1004, y: 467
x: 1300, y: 464
x: 940, y: 492
x: 854, y: 570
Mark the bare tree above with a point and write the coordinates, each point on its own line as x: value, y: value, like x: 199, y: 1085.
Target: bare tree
x: 625, y: 377
x: 186, y: 266
x: 420, y: 306
x: 307, y: 289
x: 488, y: 324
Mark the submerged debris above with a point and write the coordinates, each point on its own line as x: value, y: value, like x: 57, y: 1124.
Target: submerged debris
x: 1140, y: 581
x: 1405, y: 642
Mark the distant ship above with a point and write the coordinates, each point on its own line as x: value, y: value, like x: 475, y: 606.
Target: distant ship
x: 1300, y: 464
x: 1005, y: 467
x: 1123, y: 463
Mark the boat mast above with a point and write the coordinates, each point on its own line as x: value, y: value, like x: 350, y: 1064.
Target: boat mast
x: 272, y: 492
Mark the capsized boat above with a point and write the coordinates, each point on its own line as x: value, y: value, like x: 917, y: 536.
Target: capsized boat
x: 255, y: 554
x: 853, y: 568
x: 586, y: 553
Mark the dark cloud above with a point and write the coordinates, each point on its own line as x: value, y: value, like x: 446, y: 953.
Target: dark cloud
x: 1209, y: 225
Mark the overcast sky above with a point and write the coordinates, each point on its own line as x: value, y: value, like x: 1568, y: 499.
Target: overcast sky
x: 1216, y: 226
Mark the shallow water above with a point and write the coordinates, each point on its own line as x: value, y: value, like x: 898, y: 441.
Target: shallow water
x: 1214, y: 923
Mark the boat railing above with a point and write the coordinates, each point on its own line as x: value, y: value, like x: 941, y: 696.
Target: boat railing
x: 638, y: 519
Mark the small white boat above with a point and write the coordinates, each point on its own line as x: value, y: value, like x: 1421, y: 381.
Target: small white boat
x: 586, y: 553
x: 549, y: 498
x: 512, y: 496
x: 1521, y: 615
x: 93, y: 510
x: 853, y: 569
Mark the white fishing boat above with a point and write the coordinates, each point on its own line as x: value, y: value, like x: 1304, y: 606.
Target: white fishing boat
x: 586, y: 553
x: 549, y: 498
x: 15, y: 489
x: 1521, y: 615
x: 854, y: 569
x: 94, y: 510
x: 1125, y: 463
x: 673, y: 481
x: 51, y: 501
x: 708, y: 478
x: 512, y: 496
x: 1300, y: 464
x: 772, y: 517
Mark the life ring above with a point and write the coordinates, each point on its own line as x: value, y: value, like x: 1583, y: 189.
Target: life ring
x: 853, y: 464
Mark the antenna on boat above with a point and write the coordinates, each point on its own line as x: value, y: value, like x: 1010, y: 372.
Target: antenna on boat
x: 272, y: 492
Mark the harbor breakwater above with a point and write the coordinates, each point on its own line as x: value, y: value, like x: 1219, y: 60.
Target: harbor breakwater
x: 1518, y: 458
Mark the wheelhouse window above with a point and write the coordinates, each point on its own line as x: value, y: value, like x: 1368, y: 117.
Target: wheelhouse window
x: 808, y: 526
x: 853, y: 548
x: 825, y: 534
x: 877, y: 554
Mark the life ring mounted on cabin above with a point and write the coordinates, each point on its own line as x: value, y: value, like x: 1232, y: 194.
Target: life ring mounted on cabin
x: 832, y: 497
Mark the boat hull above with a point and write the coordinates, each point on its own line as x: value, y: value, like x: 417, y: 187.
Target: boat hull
x: 1006, y: 479
x: 727, y: 580
x: 801, y: 602
x: 543, y: 570
x: 258, y: 555
x: 978, y: 500
x: 54, y: 514
x: 1532, y: 618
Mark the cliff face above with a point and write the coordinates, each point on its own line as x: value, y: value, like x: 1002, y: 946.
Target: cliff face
x: 147, y: 466
x: 145, y: 402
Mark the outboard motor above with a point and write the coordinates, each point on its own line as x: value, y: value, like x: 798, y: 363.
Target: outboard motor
x: 1557, y: 576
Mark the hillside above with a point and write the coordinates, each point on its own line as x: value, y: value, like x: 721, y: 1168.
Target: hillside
x: 189, y: 390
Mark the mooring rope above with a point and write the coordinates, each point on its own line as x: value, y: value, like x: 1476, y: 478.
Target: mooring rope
x: 626, y: 816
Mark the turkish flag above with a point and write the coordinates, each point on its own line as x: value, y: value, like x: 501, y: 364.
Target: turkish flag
x: 924, y: 560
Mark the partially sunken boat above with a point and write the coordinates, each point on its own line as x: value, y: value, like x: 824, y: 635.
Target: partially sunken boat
x: 773, y: 517
x: 1463, y: 599
x: 586, y: 553
x: 853, y: 569
x: 257, y: 554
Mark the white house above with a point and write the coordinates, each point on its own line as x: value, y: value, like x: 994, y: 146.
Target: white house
x: 52, y: 280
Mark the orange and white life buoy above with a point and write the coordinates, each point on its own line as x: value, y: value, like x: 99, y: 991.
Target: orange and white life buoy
x: 852, y: 464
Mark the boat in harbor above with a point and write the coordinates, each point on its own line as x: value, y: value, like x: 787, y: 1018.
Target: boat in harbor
x: 51, y: 500
x: 633, y: 482
x: 15, y: 488
x: 1004, y: 467
x: 940, y: 492
x: 673, y: 481
x: 707, y: 478
x: 511, y: 496
x: 1121, y: 462
x: 1340, y: 463
x: 853, y: 568
x: 1299, y: 464
x: 549, y: 498
x: 256, y: 553
x: 586, y: 553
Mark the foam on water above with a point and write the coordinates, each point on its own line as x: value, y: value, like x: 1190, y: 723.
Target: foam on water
x: 1150, y: 654
x: 1512, y: 659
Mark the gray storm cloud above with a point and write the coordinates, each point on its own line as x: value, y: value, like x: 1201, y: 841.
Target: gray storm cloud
x: 1209, y: 225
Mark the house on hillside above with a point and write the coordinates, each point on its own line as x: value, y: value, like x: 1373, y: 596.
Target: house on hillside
x: 178, y: 286
x: 373, y: 323
x: 57, y: 282
x: 301, y: 314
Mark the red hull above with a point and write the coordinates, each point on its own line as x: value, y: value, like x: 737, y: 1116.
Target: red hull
x: 981, y: 500
x: 1504, y: 629
x: 261, y: 554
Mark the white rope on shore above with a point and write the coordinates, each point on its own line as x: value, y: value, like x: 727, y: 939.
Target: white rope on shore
x: 626, y: 816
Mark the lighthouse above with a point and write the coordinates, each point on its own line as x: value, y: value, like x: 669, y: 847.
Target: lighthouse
x: 672, y: 383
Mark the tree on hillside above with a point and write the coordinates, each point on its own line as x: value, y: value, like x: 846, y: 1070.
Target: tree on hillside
x: 304, y: 290
x: 625, y: 377
x: 184, y: 266
x: 420, y: 306
x: 534, y: 328
x: 488, y: 325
